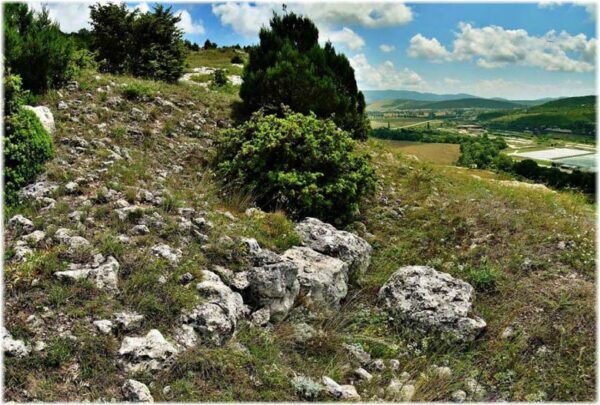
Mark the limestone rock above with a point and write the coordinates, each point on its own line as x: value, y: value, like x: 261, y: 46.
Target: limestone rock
x: 136, y: 391
x: 168, y: 253
x: 103, y: 273
x: 326, y: 239
x: 14, y: 347
x: 104, y: 326
x: 323, y: 279
x: 45, y: 116
x: 21, y: 224
x: 357, y: 352
x: 343, y: 392
x: 147, y: 353
x: 215, y: 319
x: 128, y: 320
x: 432, y: 300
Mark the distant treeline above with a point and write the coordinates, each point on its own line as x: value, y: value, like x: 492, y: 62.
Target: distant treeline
x: 485, y: 153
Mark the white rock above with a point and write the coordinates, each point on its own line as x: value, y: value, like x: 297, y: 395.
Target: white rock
x: 323, y: 279
x: 128, y: 320
x: 261, y: 317
x: 326, y: 239
x: 140, y: 230
x: 103, y: 273
x: 20, y: 223
x: 357, y: 352
x: 432, y: 301
x: 474, y: 389
x: 508, y: 333
x: 394, y: 365
x: 343, y: 392
x: 14, y: 347
x: 34, y: 237
x: 45, y: 116
x: 104, y: 326
x: 62, y: 105
x: 136, y: 391
x: 378, y: 365
x: 215, y: 319
x: 168, y: 253
x: 363, y: 374
x: 71, y: 187
x: 149, y: 353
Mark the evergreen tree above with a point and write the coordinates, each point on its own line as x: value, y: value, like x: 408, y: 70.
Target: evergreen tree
x: 289, y: 67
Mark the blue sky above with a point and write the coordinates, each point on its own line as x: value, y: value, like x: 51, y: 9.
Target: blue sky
x: 518, y: 50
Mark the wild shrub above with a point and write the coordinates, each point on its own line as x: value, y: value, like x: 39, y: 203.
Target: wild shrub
x: 27, y: 146
x: 35, y: 48
x: 237, y: 59
x: 289, y: 67
x: 220, y: 78
x: 138, y: 92
x: 296, y: 162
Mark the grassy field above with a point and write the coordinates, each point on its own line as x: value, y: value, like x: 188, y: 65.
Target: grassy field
x: 438, y: 153
x: 216, y: 58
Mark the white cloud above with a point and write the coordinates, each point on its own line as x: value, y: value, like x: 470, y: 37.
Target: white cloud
x: 366, y: 14
x: 187, y: 24
x: 424, y: 48
x: 70, y: 16
x: 590, y: 6
x: 243, y: 18
x: 346, y: 37
x: 387, y: 48
x: 247, y: 19
x: 450, y: 81
x: 141, y: 7
x: 493, y: 47
x: 384, y: 76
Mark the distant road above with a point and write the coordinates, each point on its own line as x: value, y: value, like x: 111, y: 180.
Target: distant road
x: 418, y: 123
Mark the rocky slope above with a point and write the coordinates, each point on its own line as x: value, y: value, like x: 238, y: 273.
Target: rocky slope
x: 131, y: 275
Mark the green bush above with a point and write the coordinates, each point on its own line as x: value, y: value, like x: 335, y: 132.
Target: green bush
x: 35, y: 48
x: 27, y: 146
x: 13, y: 95
x: 220, y: 78
x: 138, y: 92
x: 147, y: 45
x: 237, y: 59
x: 289, y: 67
x: 299, y: 163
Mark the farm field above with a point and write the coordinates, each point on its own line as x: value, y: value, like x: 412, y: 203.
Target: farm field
x: 403, y: 122
x: 438, y: 153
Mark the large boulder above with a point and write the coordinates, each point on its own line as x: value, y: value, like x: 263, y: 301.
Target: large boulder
x: 431, y: 300
x: 45, y: 116
x: 136, y: 391
x: 272, y: 283
x: 148, y: 353
x: 215, y: 319
x: 326, y: 239
x: 323, y: 279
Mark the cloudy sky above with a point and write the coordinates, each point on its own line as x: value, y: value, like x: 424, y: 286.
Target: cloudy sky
x: 518, y: 51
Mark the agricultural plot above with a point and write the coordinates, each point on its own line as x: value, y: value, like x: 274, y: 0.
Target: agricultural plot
x: 438, y: 153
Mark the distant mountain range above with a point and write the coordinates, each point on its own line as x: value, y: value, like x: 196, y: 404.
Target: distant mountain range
x: 378, y: 100
x: 374, y: 95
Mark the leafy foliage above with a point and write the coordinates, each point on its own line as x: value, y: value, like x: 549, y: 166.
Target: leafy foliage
x: 237, y: 59
x: 27, y: 146
x: 289, y: 67
x: 144, y: 44
x: 300, y: 163
x: 35, y: 49
x: 220, y: 78
x: 480, y: 152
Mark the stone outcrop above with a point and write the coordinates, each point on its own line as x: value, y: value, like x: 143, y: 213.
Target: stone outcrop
x: 326, y: 239
x: 136, y: 391
x: 215, y: 319
x: 102, y: 272
x: 431, y: 300
x: 323, y: 279
x: 147, y: 353
x: 14, y: 347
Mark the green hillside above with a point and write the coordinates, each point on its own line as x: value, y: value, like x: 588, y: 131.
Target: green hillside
x: 472, y: 103
x: 406, y: 104
x: 577, y: 114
